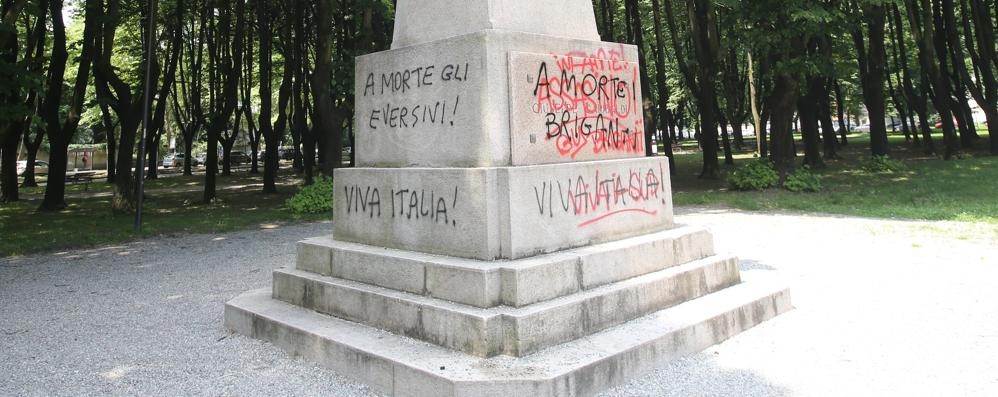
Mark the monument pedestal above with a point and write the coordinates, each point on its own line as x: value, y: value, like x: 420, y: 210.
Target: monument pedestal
x: 392, y: 319
x: 503, y: 234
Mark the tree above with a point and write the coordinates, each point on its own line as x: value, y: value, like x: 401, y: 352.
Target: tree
x: 915, y: 99
x: 60, y: 128
x: 225, y: 62
x: 920, y: 18
x: 20, y: 73
x: 702, y: 82
x: 271, y: 137
x: 665, y: 114
x: 326, y: 119
x: 979, y: 39
x: 125, y: 99
x: 188, y: 90
x: 872, y: 60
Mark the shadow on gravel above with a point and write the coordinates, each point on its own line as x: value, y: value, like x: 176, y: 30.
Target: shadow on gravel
x: 699, y: 375
x: 752, y: 264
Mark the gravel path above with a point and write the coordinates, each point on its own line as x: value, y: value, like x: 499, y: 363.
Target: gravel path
x: 883, y: 308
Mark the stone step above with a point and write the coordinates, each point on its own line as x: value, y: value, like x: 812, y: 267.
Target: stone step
x: 401, y: 366
x: 505, y: 330
x: 514, y: 283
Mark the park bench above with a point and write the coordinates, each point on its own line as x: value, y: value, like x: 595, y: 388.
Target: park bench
x: 85, y: 177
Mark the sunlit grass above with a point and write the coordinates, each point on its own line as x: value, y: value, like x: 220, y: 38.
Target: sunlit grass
x: 929, y: 188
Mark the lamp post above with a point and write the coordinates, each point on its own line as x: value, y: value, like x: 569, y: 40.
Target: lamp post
x: 141, y: 167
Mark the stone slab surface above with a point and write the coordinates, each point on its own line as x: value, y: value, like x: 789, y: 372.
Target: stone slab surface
x: 401, y: 366
x: 505, y: 330
x: 423, y: 21
x: 505, y: 212
x: 516, y: 283
x: 447, y: 103
x: 453, y: 211
x: 567, y: 107
x: 561, y: 206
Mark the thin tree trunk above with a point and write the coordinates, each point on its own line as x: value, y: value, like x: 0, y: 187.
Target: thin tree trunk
x: 782, y: 101
x: 263, y: 16
x: 808, y: 110
x: 665, y: 115
x: 921, y: 21
x: 872, y: 62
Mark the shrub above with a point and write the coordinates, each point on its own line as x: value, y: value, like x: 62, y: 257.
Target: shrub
x: 804, y: 180
x: 883, y: 165
x: 757, y: 175
x: 316, y: 198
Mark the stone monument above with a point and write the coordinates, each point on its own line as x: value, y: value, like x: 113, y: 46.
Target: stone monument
x: 503, y: 233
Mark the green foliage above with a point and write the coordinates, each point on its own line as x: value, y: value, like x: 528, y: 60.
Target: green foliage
x: 883, y: 165
x: 804, y: 180
x: 757, y: 175
x: 316, y: 198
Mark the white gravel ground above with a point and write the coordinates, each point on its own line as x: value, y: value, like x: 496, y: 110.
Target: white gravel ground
x: 883, y: 308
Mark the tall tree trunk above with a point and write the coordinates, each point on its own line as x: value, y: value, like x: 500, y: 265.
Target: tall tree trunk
x: 665, y: 115
x: 841, y: 105
x: 951, y: 36
x: 266, y: 33
x: 829, y: 138
x: 119, y: 95
x: 702, y: 82
x: 703, y: 28
x: 980, y: 46
x: 872, y: 64
x: 634, y: 21
x: 112, y: 143
x: 921, y: 21
x: 326, y: 123
x: 915, y: 98
x: 60, y: 130
x: 807, y: 108
x: 782, y: 103
x: 729, y: 158
x: 229, y: 74
x: 9, y: 150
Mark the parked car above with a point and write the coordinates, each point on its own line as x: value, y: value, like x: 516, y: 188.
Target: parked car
x: 176, y: 160
x: 237, y: 157
x: 862, y: 128
x: 41, y: 167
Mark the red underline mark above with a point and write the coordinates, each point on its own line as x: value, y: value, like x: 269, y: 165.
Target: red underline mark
x: 592, y: 221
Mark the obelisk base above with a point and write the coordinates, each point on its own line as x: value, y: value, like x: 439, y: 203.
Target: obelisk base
x: 401, y: 366
x: 570, y: 323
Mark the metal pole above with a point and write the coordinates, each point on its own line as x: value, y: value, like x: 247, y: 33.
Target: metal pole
x: 141, y: 167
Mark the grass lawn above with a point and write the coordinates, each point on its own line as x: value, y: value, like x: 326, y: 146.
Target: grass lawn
x: 88, y: 221
x: 928, y: 188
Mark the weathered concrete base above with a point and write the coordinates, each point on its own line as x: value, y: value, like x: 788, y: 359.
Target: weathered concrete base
x: 515, y: 283
x: 402, y: 366
x: 502, y: 212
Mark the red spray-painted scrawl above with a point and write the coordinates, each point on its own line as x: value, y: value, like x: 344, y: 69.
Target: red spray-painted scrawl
x: 601, y: 196
x: 590, y: 102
